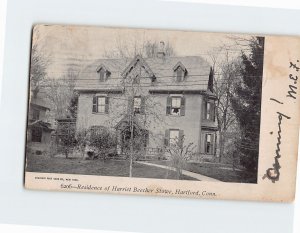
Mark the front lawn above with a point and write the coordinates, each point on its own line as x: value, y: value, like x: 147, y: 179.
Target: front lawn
x: 98, y: 167
x: 218, y: 171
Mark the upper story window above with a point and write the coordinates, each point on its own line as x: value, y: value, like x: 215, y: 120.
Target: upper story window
x: 136, y: 105
x: 103, y: 73
x: 100, y: 104
x: 180, y: 72
x: 136, y: 80
x: 35, y: 114
x: 176, y: 105
x: 209, y: 111
x: 137, y: 101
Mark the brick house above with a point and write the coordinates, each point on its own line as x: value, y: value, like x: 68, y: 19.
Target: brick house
x: 170, y: 97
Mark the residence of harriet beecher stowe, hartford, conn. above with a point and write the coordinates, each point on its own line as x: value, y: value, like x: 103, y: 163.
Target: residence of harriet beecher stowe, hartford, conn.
x: 161, y: 98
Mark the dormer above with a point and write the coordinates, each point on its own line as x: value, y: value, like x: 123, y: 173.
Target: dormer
x: 103, y: 73
x: 180, y: 72
x: 137, y: 66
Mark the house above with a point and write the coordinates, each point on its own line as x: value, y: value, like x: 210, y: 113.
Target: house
x: 38, y: 130
x: 169, y: 96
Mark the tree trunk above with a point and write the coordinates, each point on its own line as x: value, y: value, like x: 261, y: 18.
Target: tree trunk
x: 131, y: 146
x: 221, y: 147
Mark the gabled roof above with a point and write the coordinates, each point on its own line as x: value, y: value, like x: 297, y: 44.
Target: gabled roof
x: 162, y: 68
x: 135, y: 60
x: 102, y: 67
x: 179, y: 64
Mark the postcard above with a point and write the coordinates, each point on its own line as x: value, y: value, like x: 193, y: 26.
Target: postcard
x: 163, y: 113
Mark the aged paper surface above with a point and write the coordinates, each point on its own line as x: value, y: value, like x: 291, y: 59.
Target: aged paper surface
x: 167, y: 113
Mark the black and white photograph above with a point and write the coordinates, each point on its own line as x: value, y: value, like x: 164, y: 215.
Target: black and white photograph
x: 144, y: 103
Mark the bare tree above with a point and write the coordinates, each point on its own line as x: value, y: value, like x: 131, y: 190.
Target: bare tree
x: 139, y: 46
x: 60, y: 92
x: 225, y: 78
x: 38, y: 65
x: 179, y: 154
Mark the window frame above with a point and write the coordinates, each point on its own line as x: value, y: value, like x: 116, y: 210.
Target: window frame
x: 102, y: 72
x: 36, y: 133
x: 209, y: 150
x: 139, y: 108
x: 170, y: 139
x: 35, y: 112
x: 172, y: 107
x: 96, y: 105
x: 209, y: 111
x: 181, y: 77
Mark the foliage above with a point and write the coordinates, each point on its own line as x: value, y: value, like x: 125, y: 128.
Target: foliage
x: 66, y: 138
x: 103, y: 139
x: 82, y: 138
x: 246, y: 102
x: 73, y: 105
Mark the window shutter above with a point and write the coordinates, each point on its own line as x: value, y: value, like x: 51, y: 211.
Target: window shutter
x: 182, y: 107
x: 180, y: 138
x: 143, y: 101
x: 106, y: 104
x: 169, y: 103
x: 94, y: 103
x: 167, y: 137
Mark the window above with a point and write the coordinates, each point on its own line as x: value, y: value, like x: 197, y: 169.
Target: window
x: 102, y: 74
x: 36, y: 135
x: 174, y: 136
x: 136, y: 80
x: 35, y: 114
x: 176, y: 105
x: 179, y: 74
x: 100, y: 104
x: 137, y: 101
x: 209, y: 143
x: 209, y: 111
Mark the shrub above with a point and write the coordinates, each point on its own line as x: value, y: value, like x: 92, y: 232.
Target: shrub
x: 103, y: 139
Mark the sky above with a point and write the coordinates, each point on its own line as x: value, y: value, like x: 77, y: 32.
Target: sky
x: 82, y: 44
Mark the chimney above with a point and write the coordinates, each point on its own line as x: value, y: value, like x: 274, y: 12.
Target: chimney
x: 161, y: 50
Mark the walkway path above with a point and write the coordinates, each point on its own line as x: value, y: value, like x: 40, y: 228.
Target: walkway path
x: 184, y: 172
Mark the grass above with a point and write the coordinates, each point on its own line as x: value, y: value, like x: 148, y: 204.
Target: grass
x: 216, y: 171
x: 98, y: 167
